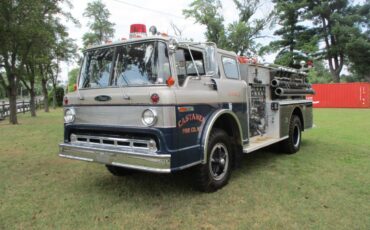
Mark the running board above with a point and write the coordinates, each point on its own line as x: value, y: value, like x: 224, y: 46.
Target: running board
x: 261, y: 142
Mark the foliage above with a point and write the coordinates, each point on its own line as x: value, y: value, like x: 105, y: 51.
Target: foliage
x: 243, y: 33
x: 59, y: 93
x: 72, y: 78
x: 101, y: 29
x: 208, y: 13
x: 337, y: 24
x: 28, y: 32
x: 359, y: 57
x: 239, y: 36
x: 319, y: 74
x: 296, y: 42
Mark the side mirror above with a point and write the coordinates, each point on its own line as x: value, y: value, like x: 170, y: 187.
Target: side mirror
x: 180, y: 58
x: 211, y: 66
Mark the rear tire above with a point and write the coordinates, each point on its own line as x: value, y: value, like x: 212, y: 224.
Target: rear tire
x: 293, y: 142
x: 216, y: 172
x: 119, y: 171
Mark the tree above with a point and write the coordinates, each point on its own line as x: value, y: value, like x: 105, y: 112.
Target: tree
x: 72, y: 78
x: 240, y: 36
x: 335, y: 22
x: 359, y: 57
x: 56, y: 47
x: 64, y: 50
x: 319, y: 74
x: 297, y: 42
x: 358, y: 48
x: 100, y: 28
x: 16, y: 38
x: 208, y: 13
x: 243, y: 33
x: 27, y: 30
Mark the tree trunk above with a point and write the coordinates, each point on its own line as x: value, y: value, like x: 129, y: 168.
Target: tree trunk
x: 12, y: 92
x: 45, y: 94
x: 32, y: 100
x: 31, y: 90
x: 54, y: 96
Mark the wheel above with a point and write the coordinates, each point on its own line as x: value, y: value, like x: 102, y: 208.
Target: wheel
x: 119, y: 171
x: 293, y: 142
x: 216, y: 172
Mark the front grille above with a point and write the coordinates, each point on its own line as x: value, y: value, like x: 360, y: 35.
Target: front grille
x: 125, y: 144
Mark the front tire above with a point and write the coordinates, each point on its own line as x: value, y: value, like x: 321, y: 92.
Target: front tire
x: 119, y: 171
x: 216, y: 172
x: 293, y: 143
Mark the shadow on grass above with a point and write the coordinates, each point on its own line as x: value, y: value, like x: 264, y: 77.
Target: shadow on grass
x: 142, y: 183
x: 148, y: 184
x: 145, y: 186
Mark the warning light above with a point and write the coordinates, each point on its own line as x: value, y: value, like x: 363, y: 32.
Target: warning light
x: 137, y: 31
x: 170, y: 81
x: 242, y: 59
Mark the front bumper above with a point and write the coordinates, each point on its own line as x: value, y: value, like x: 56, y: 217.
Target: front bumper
x: 158, y: 163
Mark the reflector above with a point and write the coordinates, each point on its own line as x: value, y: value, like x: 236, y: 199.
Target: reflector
x: 154, y: 98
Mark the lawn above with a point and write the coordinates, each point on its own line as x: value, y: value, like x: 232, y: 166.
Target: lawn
x: 324, y: 186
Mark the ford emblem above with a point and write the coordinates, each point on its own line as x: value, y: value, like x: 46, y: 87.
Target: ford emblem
x: 103, y: 98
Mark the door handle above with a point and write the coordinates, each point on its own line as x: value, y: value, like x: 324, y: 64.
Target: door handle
x: 212, y: 84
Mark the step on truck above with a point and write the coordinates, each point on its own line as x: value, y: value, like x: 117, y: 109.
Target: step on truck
x: 156, y: 104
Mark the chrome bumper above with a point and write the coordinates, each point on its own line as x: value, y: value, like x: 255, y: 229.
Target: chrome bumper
x: 159, y: 163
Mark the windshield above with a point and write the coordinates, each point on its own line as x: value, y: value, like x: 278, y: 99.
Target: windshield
x: 134, y: 64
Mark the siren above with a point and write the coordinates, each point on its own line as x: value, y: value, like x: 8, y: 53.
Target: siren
x: 137, y: 31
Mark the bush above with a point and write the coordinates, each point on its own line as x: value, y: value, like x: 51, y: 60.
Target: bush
x: 59, y: 96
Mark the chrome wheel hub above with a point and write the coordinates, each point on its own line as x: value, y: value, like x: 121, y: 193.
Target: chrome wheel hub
x: 219, y: 161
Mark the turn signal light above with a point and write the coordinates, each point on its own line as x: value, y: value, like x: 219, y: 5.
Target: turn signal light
x: 65, y: 100
x: 170, y: 81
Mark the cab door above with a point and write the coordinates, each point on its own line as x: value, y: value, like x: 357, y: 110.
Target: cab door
x: 232, y: 90
x: 196, y: 94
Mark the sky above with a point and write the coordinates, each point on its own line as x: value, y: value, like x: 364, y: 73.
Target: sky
x: 157, y: 13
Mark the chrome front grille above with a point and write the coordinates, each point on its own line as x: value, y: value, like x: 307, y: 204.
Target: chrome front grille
x: 125, y: 144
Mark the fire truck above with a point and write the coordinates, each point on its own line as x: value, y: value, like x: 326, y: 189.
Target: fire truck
x: 157, y: 104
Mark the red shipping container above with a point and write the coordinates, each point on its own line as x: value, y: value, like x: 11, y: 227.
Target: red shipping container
x: 341, y: 95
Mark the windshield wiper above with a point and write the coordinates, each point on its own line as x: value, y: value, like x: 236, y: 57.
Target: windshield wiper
x: 124, y: 95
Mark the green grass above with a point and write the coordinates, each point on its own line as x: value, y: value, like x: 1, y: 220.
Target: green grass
x: 324, y: 186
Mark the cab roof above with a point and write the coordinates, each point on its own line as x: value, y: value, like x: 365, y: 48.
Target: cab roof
x: 152, y: 38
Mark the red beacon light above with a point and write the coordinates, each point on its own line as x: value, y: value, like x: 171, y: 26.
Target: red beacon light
x: 137, y: 31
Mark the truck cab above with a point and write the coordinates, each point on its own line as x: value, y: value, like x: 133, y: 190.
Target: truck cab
x: 159, y: 105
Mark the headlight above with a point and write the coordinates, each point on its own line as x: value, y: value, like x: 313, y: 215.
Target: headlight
x: 149, y: 117
x: 69, y: 115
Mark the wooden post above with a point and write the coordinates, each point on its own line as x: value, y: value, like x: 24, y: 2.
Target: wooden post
x: 23, y: 107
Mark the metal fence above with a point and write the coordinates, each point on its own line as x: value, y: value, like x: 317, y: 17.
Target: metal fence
x: 22, y: 107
